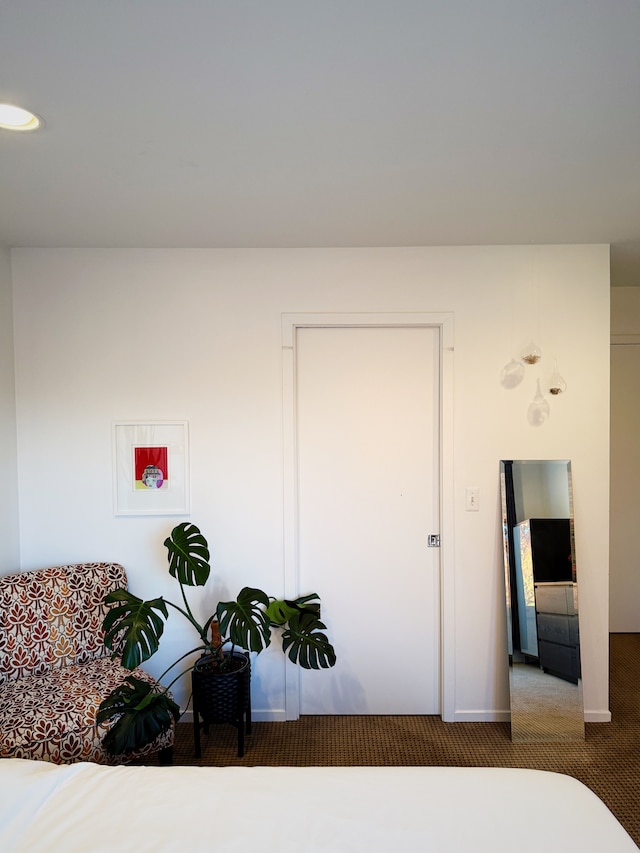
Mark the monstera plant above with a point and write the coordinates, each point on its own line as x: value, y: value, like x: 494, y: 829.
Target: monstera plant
x: 133, y: 629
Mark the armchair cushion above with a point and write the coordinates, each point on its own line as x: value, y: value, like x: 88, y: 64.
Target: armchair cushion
x: 54, y: 667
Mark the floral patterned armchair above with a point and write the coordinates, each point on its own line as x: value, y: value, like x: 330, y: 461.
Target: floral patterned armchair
x: 54, y: 667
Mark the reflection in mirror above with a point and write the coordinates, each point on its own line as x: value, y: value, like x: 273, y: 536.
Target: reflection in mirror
x: 541, y: 587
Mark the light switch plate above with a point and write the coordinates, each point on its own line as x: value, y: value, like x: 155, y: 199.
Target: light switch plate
x: 472, y: 499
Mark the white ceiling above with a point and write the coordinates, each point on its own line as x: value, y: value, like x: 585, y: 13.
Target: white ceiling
x: 304, y: 123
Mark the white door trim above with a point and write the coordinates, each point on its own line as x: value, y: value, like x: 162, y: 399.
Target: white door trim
x: 445, y: 323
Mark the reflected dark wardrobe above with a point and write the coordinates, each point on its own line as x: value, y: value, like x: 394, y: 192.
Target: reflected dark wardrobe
x: 547, y: 615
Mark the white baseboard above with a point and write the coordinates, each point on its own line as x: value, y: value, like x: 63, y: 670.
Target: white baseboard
x: 597, y: 716
x: 505, y: 716
x: 259, y: 716
x: 482, y: 717
x: 278, y: 716
x: 269, y: 715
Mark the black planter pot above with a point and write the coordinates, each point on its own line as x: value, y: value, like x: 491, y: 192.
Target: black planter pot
x: 221, y: 697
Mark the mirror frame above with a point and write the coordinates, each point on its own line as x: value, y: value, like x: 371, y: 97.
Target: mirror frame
x: 568, y: 711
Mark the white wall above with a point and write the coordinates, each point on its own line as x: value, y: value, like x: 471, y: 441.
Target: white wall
x: 9, y: 534
x: 625, y: 459
x: 103, y: 335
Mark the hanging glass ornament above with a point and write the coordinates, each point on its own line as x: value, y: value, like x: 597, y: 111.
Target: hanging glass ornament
x: 531, y: 354
x: 557, y: 385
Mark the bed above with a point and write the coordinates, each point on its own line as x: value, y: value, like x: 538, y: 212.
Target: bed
x: 89, y: 807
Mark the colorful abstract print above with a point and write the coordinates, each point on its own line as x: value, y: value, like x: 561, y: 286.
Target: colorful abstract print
x: 54, y: 668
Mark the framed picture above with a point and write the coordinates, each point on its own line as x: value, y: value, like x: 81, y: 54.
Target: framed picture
x: 151, y: 468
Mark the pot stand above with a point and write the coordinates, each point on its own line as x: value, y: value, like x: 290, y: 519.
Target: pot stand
x: 221, y: 698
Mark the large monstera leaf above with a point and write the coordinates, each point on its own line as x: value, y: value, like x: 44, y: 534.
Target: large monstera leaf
x: 244, y: 621
x: 133, y: 629
x: 305, y: 642
x: 188, y: 555
x: 142, y: 714
x: 280, y: 611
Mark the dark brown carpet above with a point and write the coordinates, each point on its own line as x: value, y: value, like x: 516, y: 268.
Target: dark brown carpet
x: 607, y: 762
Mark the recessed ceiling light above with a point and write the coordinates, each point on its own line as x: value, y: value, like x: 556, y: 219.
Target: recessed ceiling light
x: 16, y: 118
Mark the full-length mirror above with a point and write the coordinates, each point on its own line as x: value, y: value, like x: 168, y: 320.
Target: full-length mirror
x: 541, y: 585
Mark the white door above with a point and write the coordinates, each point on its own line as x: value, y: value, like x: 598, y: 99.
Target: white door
x: 368, y: 497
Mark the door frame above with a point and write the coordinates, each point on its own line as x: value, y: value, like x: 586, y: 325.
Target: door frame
x: 444, y: 322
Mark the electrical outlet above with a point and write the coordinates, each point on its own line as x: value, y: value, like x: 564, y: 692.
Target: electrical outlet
x: 472, y: 499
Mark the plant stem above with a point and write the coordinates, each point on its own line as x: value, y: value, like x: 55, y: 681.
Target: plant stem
x: 189, y: 615
x: 182, y: 657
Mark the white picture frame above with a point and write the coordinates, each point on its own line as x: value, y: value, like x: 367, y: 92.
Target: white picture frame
x: 151, y: 467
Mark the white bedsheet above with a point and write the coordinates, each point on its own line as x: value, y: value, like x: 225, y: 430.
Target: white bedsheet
x: 86, y: 807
